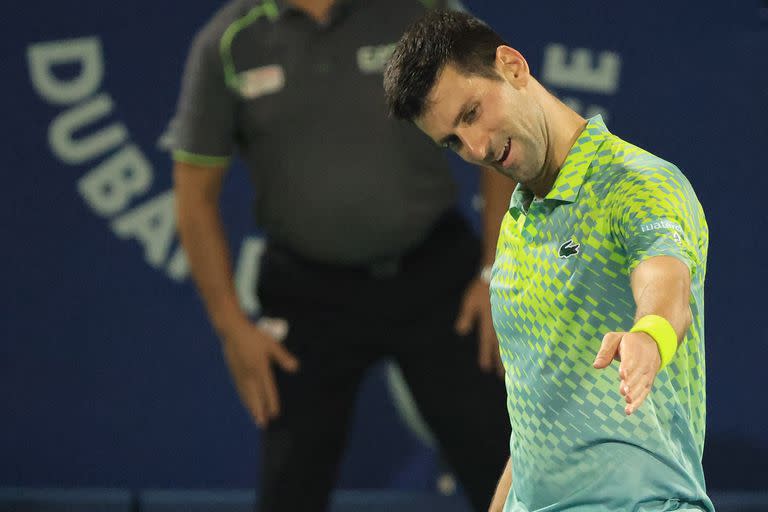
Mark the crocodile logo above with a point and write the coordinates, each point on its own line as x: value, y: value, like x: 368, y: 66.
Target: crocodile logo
x: 568, y: 249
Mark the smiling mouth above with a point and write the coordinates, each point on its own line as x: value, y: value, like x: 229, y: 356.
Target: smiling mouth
x: 505, y: 153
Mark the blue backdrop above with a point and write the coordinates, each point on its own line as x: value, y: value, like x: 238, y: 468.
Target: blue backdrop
x: 109, y: 372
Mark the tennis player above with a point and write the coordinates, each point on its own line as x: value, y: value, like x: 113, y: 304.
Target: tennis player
x: 597, y: 287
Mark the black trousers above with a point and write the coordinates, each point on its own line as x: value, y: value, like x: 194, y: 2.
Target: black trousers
x: 343, y: 320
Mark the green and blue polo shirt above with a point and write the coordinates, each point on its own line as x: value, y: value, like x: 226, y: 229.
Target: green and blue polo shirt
x: 560, y: 282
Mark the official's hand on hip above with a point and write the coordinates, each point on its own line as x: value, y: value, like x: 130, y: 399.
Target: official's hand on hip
x: 640, y: 362
x: 476, y: 309
x: 250, y: 352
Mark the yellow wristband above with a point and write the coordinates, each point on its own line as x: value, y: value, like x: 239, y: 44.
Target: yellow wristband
x: 663, y: 334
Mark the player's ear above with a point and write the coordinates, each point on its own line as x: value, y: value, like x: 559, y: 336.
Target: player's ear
x: 512, y: 66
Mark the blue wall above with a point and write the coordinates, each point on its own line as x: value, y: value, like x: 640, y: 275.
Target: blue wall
x: 109, y: 373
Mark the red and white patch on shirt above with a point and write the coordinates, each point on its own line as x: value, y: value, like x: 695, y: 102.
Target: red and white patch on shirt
x: 262, y: 81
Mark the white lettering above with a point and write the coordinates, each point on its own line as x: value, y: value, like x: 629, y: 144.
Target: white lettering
x: 597, y: 110
x: 86, y: 52
x: 109, y: 187
x: 153, y: 224
x: 247, y: 275
x: 580, y: 74
x: 178, y: 266
x: 664, y: 224
x: 373, y: 59
x: 71, y: 151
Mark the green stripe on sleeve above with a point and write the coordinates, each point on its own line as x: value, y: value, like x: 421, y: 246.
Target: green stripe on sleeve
x: 203, y: 160
x: 269, y: 9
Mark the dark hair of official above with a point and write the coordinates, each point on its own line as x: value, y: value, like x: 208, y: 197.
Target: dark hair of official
x: 439, y: 38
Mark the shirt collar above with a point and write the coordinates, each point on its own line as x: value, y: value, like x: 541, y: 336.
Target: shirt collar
x: 573, y: 171
x: 521, y: 198
x: 285, y: 6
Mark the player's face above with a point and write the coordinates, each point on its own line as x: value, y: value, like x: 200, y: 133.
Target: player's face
x: 494, y: 123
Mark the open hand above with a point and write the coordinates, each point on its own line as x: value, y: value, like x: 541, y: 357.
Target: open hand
x: 476, y: 309
x: 250, y: 352
x: 640, y: 362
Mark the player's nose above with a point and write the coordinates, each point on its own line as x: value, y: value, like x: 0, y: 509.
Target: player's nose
x: 475, y: 145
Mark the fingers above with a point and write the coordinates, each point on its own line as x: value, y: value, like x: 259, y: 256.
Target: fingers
x: 267, y: 401
x: 485, y: 355
x: 283, y: 358
x: 251, y: 393
x: 474, y: 305
x: 636, y: 383
x: 263, y: 398
x: 632, y: 380
x: 246, y: 381
x: 635, y: 403
x: 465, y: 319
x: 639, y: 365
x: 608, y: 349
x: 271, y: 396
x: 488, y: 353
x: 251, y: 367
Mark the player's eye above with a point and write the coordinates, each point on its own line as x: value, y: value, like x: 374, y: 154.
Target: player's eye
x: 471, y: 115
x: 453, y: 143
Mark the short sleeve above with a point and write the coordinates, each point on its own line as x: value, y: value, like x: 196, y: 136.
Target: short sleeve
x: 656, y: 213
x: 454, y: 5
x: 203, y: 130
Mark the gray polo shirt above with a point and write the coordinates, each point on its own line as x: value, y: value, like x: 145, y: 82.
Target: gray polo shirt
x: 335, y: 178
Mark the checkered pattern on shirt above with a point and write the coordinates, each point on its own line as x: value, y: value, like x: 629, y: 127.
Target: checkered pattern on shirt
x: 621, y: 205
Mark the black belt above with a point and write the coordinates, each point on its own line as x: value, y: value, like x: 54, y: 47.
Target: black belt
x: 384, y: 268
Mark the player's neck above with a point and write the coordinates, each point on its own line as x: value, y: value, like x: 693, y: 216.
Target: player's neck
x: 319, y: 10
x: 563, y: 127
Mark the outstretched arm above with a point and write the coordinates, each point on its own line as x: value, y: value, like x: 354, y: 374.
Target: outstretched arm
x: 661, y: 287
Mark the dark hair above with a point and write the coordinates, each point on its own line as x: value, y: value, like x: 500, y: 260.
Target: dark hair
x: 441, y: 37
